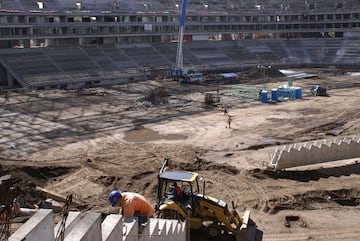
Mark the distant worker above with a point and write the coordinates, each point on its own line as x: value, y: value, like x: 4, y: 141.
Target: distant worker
x: 228, y: 122
x: 132, y: 204
x: 12, y: 209
x: 225, y: 111
x: 7, y: 95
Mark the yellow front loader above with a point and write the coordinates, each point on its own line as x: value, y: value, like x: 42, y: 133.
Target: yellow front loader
x: 179, y: 197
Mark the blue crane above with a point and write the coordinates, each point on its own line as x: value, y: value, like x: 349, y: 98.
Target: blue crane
x: 178, y: 73
x: 179, y: 53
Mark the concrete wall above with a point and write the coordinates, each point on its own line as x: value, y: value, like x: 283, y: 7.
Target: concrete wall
x: 315, y: 152
x: 91, y: 228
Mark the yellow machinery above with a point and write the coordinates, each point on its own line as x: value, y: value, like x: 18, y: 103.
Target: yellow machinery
x: 179, y: 197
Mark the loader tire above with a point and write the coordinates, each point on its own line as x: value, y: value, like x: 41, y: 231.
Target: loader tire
x: 213, y: 230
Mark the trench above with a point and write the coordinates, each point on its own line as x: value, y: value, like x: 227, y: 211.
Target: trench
x: 308, y: 200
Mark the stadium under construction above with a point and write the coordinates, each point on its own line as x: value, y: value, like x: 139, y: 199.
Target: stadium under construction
x: 72, y: 44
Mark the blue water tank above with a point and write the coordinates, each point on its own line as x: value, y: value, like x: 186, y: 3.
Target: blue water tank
x: 263, y: 96
x: 274, y: 94
x: 298, y: 93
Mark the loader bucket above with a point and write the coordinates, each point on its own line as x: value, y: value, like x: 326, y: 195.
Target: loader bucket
x: 248, y: 230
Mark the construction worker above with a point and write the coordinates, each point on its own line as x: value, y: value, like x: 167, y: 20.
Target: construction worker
x: 132, y: 204
x: 229, y: 120
x: 225, y: 111
x: 175, y: 191
x: 12, y: 209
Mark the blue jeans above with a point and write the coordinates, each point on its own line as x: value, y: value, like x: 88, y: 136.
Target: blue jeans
x: 141, y: 217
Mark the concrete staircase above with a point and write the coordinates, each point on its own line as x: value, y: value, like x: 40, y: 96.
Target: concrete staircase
x: 91, y: 227
x: 315, y: 152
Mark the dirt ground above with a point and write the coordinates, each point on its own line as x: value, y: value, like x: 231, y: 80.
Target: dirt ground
x: 89, y: 143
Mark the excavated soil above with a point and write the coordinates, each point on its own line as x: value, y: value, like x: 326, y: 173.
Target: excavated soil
x: 88, y: 144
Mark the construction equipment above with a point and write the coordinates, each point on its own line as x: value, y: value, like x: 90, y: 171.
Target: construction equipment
x: 179, y: 197
x: 319, y: 90
x: 185, y: 76
x: 179, y: 73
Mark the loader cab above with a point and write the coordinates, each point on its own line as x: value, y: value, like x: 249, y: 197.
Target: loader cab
x: 178, y: 186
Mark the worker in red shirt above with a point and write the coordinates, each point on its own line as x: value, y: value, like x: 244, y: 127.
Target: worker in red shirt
x: 132, y: 204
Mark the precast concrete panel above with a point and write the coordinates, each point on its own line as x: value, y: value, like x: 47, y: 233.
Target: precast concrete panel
x: 130, y: 229
x: 88, y: 229
x: 112, y: 228
x: 315, y: 152
x: 72, y: 219
x: 39, y: 227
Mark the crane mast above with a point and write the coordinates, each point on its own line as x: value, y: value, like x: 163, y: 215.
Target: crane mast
x: 179, y: 53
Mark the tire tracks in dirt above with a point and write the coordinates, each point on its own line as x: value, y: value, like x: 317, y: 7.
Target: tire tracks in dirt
x: 261, y: 194
x: 261, y: 197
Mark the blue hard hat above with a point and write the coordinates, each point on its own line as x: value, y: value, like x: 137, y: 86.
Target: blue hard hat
x: 114, y: 197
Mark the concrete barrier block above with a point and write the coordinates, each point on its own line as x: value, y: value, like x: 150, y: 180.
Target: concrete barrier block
x: 298, y: 147
x: 72, y: 219
x: 178, y: 231
x: 39, y: 227
x: 307, y: 145
x: 112, y: 228
x: 88, y: 229
x: 169, y: 227
x: 347, y: 140
x: 154, y: 228
x: 162, y: 229
x: 328, y: 143
x: 174, y: 227
x: 150, y: 232
x: 145, y: 233
x: 130, y: 229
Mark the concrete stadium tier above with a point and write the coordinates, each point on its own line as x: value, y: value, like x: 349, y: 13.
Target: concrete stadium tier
x: 100, y: 65
x: 315, y: 152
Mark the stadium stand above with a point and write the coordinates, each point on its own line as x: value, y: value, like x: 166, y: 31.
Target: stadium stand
x: 72, y: 44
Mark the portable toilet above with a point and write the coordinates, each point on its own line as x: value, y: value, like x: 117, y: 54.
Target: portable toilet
x: 298, y: 93
x: 274, y: 94
x: 263, y: 96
